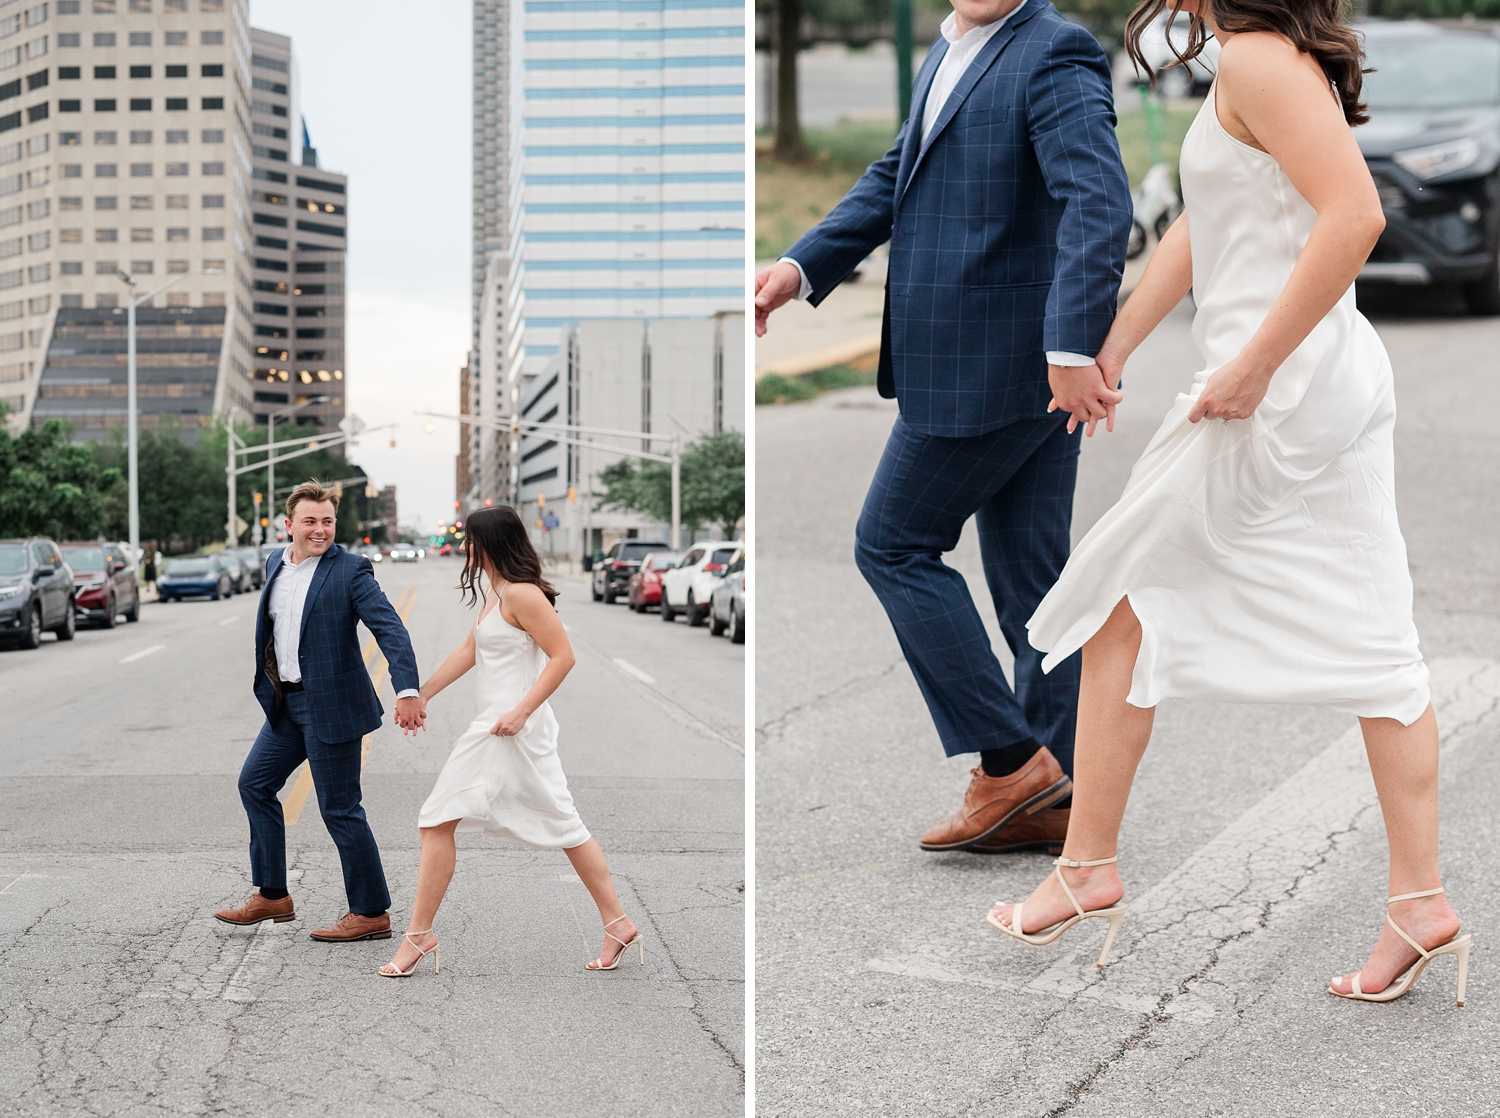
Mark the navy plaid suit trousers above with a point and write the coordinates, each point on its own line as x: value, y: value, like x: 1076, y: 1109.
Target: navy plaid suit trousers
x: 1018, y: 482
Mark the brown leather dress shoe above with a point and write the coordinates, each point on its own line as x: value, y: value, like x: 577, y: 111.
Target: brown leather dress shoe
x: 257, y: 908
x: 1045, y: 830
x: 354, y: 926
x: 993, y: 801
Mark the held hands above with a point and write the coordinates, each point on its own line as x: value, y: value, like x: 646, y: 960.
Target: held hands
x: 511, y: 723
x: 773, y: 287
x: 1086, y: 392
x: 411, y: 714
x: 1234, y: 391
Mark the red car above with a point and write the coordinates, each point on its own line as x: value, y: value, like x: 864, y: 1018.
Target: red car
x: 104, y: 583
x: 645, y: 584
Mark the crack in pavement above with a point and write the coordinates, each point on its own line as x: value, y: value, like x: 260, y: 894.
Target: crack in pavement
x: 778, y: 724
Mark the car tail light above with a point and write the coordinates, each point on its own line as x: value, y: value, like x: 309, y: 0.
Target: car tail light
x: 619, y: 566
x: 714, y: 567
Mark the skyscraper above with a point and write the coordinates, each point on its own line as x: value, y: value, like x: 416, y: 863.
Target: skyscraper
x: 298, y: 255
x: 609, y: 179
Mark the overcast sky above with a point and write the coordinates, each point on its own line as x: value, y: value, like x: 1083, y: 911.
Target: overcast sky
x: 385, y: 89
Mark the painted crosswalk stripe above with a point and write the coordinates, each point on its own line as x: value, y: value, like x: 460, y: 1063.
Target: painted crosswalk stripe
x: 630, y: 669
x: 134, y: 656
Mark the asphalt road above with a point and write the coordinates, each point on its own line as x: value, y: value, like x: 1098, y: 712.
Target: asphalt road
x: 121, y: 831
x: 1253, y: 851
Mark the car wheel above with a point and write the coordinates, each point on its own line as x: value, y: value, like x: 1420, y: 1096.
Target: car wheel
x: 1483, y: 296
x: 715, y: 626
x: 694, y: 612
x: 69, y: 626
x: 33, y: 637
x: 109, y: 613
x: 736, y: 626
x: 667, y: 612
x: 1137, y: 242
x: 609, y: 597
x: 594, y: 589
x: 134, y: 612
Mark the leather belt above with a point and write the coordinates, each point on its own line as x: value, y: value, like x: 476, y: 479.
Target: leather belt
x: 285, y: 686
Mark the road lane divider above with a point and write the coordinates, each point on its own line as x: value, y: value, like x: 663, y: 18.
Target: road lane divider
x: 142, y: 654
x: 296, y: 799
x: 630, y: 669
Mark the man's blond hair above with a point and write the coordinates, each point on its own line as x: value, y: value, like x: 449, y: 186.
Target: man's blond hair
x: 315, y: 491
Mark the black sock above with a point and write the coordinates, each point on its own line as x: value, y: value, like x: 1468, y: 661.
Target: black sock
x: 1062, y: 804
x: 274, y: 894
x: 1003, y: 762
x: 371, y: 915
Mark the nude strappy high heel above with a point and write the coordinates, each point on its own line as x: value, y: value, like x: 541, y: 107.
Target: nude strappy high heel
x: 437, y: 958
x: 1114, y: 914
x: 1458, y: 946
x: 598, y: 964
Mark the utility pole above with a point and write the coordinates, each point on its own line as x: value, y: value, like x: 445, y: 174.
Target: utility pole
x: 231, y: 537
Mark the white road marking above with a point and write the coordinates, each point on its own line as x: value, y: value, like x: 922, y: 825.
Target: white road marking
x: 24, y: 877
x: 630, y: 669
x: 571, y: 877
x: 230, y: 620
x: 142, y: 654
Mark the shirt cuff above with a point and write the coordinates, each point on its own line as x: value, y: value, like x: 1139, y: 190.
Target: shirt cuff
x: 409, y: 693
x: 806, y: 288
x: 1064, y: 357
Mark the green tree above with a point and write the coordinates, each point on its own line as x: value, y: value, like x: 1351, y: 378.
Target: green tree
x: 713, y: 484
x: 50, y: 487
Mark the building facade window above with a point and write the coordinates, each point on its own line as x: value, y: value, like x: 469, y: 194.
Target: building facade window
x: 213, y: 70
x: 105, y: 170
x: 140, y: 104
x: 176, y: 104
x: 140, y: 39
x: 104, y: 137
x: 177, y: 235
x: 213, y: 135
x: 104, y: 105
x: 140, y: 137
x: 213, y: 201
x: 36, y: 113
x: 104, y: 38
x: 141, y: 267
x: 213, y: 233
x: 142, y: 202
x: 177, y: 201
x: 106, y: 236
x: 175, y: 39
x: 213, y: 102
x: 176, y: 71
x: 139, y: 235
x: 175, y: 170
x: 103, y: 73
x: 177, y: 136
x: 140, y: 170
x: 70, y: 106
x: 213, y: 169
x: 212, y: 39
x: 67, y: 39
x: 106, y: 203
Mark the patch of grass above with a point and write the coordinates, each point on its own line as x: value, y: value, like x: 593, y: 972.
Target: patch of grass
x: 792, y: 198
x: 773, y: 388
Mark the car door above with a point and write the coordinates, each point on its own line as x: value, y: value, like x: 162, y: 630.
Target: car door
x: 46, y: 575
x: 683, y: 576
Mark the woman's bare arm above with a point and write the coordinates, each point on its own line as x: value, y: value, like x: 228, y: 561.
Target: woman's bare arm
x: 1167, y: 278
x: 1273, y: 97
x: 526, y: 607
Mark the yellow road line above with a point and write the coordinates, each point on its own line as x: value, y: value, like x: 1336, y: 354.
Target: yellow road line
x: 296, y: 799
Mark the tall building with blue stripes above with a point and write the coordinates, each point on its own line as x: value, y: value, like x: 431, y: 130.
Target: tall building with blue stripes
x: 609, y: 181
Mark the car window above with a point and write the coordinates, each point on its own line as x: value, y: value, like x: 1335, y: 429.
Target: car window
x: 723, y: 555
x: 637, y: 551
x: 192, y: 566
x: 12, y: 559
x: 737, y: 566
x: 692, y: 557
x: 85, y: 558
x: 614, y: 551
x: 1440, y: 72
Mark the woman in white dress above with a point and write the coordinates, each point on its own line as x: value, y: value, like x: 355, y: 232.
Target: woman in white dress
x: 1255, y: 554
x: 503, y: 776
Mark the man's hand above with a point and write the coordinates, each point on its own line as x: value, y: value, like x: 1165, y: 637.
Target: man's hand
x: 773, y: 287
x: 1085, y: 393
x: 411, y: 714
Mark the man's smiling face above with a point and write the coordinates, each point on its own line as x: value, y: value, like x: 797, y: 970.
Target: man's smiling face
x: 311, y: 526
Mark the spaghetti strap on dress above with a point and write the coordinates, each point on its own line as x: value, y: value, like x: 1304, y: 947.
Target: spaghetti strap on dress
x: 508, y: 787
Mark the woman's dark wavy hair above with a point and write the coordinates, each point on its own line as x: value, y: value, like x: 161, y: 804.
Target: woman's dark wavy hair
x: 498, y: 537
x: 1315, y: 27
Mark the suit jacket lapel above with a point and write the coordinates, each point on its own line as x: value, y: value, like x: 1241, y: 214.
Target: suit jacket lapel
x: 982, y: 62
x: 320, y: 576
x: 920, y: 88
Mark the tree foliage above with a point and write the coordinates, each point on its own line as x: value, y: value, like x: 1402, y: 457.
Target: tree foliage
x: 713, y: 484
x: 50, y: 487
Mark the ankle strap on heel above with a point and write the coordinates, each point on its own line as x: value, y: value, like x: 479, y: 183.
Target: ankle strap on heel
x: 1075, y: 864
x: 1413, y: 896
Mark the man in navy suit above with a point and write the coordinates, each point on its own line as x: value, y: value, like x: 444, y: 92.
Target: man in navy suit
x: 312, y: 683
x: 1007, y: 211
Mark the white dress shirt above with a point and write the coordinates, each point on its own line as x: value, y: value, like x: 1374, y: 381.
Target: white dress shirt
x: 962, y: 50
x: 288, y: 602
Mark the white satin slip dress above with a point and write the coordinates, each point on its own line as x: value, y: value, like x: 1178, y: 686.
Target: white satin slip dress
x: 1262, y: 556
x: 508, y: 787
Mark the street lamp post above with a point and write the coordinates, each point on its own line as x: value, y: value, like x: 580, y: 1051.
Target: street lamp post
x: 133, y: 476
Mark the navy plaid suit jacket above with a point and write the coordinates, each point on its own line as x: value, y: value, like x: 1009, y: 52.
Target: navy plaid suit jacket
x: 1007, y: 228
x: 341, y: 698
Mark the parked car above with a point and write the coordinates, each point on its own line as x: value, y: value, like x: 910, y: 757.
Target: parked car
x: 644, y: 588
x: 255, y: 563
x: 266, y: 550
x: 104, y: 583
x: 726, y: 609
x: 687, y: 587
x: 240, y: 580
x: 194, y: 576
x: 1433, y: 148
x: 403, y: 554
x: 611, y: 575
x: 36, y: 592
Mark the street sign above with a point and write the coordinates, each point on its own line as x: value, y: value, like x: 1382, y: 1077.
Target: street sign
x: 550, y: 521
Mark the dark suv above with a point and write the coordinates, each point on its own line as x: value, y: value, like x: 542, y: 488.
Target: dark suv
x: 612, y: 573
x: 104, y: 583
x: 1433, y: 147
x: 36, y: 592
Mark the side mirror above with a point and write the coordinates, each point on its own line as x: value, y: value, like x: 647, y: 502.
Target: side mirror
x: 40, y: 573
x: 119, y: 565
